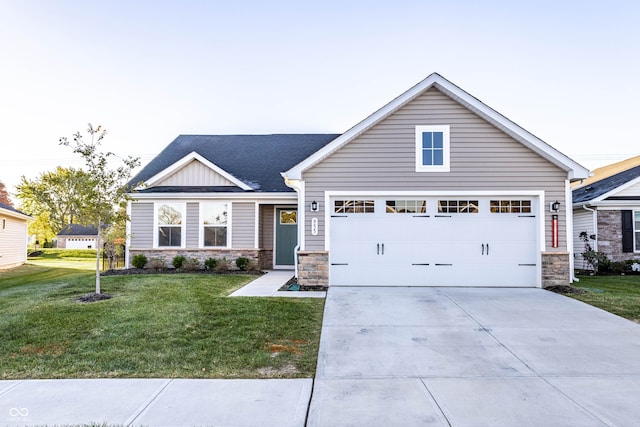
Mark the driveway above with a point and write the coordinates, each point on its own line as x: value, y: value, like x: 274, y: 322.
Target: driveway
x: 473, y: 357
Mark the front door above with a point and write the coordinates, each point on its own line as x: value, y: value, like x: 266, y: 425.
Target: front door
x: 286, y: 235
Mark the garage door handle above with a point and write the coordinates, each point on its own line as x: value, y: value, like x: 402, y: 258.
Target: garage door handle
x: 483, y: 249
x: 378, y: 250
x: 487, y: 249
x: 383, y: 249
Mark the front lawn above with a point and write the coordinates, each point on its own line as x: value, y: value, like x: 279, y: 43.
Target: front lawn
x: 616, y: 294
x: 155, y: 326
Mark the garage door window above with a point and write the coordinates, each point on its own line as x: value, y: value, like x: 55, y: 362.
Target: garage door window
x: 457, y: 206
x: 406, y: 206
x: 510, y: 206
x: 353, y: 206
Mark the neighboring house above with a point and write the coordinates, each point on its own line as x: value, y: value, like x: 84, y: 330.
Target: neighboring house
x: 13, y: 236
x: 75, y: 236
x: 435, y: 188
x: 607, y: 207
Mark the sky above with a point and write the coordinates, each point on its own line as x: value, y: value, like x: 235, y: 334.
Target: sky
x: 147, y: 71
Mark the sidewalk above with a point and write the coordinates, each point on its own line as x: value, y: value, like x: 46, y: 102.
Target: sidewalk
x: 155, y: 402
x: 268, y: 285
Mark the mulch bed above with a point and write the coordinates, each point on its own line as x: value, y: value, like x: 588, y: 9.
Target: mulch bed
x: 564, y: 289
x: 93, y: 297
x: 130, y: 271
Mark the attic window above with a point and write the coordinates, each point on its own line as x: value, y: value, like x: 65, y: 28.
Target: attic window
x: 432, y: 148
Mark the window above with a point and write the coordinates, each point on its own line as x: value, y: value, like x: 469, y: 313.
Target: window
x: 288, y: 217
x: 432, y: 148
x: 636, y: 229
x: 510, y: 206
x: 215, y: 220
x: 169, y: 220
x: 457, y: 206
x: 353, y: 206
x: 406, y: 206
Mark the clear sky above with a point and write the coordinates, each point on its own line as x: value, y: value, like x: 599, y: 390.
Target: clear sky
x: 567, y: 71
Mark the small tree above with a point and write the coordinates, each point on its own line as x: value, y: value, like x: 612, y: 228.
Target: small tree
x: 107, y: 186
x: 595, y: 259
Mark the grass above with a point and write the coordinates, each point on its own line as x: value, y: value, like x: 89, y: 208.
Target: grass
x: 165, y: 326
x: 616, y: 294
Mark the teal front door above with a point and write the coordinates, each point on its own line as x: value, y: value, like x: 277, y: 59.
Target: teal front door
x: 286, y: 235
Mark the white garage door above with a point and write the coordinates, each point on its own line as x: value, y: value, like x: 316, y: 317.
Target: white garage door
x: 434, y: 241
x: 80, y: 243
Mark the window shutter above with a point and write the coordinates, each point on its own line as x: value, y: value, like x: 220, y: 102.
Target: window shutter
x: 627, y: 231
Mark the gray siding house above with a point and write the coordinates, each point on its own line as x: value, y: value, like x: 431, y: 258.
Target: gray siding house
x: 13, y: 236
x: 433, y: 189
x: 606, y: 206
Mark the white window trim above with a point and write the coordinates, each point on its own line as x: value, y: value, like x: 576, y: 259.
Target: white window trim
x: 636, y: 249
x: 201, y: 225
x: 183, y: 226
x: 446, y: 145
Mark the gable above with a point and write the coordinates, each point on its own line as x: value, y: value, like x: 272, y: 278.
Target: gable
x: 631, y: 191
x: 195, y: 173
x: 572, y: 169
x: 482, y: 155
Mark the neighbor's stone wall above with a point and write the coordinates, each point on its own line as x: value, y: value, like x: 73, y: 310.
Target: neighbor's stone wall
x: 610, y: 236
x: 313, y: 268
x: 555, y: 269
x: 264, y: 261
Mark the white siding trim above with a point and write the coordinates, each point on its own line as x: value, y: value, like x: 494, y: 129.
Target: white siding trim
x: 271, y: 197
x: 569, y: 230
x: 617, y: 190
x: 185, y: 161
x: 256, y: 226
x: 128, y: 235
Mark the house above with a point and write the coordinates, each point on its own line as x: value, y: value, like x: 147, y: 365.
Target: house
x: 435, y: 188
x: 75, y: 236
x: 606, y: 207
x: 13, y: 236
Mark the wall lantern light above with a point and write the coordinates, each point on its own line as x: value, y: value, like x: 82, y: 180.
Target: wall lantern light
x: 314, y: 206
x: 555, y: 206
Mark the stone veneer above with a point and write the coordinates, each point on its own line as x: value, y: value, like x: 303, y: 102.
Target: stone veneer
x: 610, y: 236
x: 313, y: 268
x: 262, y: 256
x: 555, y: 269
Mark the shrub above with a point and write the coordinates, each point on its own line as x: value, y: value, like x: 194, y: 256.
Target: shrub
x: 191, y: 264
x: 210, y: 263
x: 139, y: 261
x: 157, y: 264
x: 178, y: 260
x: 620, y: 267
x: 242, y: 263
x: 222, y: 265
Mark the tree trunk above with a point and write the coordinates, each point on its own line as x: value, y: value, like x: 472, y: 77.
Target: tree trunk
x: 98, y: 243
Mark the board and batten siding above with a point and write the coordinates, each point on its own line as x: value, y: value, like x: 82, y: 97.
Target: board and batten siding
x: 141, y: 225
x: 582, y: 221
x: 13, y: 242
x: 483, y: 158
x: 243, y: 225
x: 195, y: 173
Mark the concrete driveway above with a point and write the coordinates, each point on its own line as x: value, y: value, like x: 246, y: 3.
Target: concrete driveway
x: 473, y: 357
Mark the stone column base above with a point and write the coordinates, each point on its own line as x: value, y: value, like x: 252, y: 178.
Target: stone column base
x: 555, y: 269
x: 313, y: 269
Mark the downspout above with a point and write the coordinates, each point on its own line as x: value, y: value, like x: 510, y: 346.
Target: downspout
x: 298, y: 186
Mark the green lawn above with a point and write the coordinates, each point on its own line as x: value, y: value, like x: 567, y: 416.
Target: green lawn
x: 617, y: 294
x: 155, y: 326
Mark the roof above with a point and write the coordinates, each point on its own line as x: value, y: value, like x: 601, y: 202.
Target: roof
x: 608, y: 179
x: 78, y: 230
x: 573, y: 169
x: 11, y: 210
x: 255, y: 160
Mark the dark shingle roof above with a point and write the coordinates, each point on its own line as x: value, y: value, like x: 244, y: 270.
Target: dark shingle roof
x: 603, y: 186
x: 257, y: 160
x: 11, y: 208
x: 78, y: 230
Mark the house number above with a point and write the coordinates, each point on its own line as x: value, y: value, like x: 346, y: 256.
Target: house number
x: 314, y: 226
